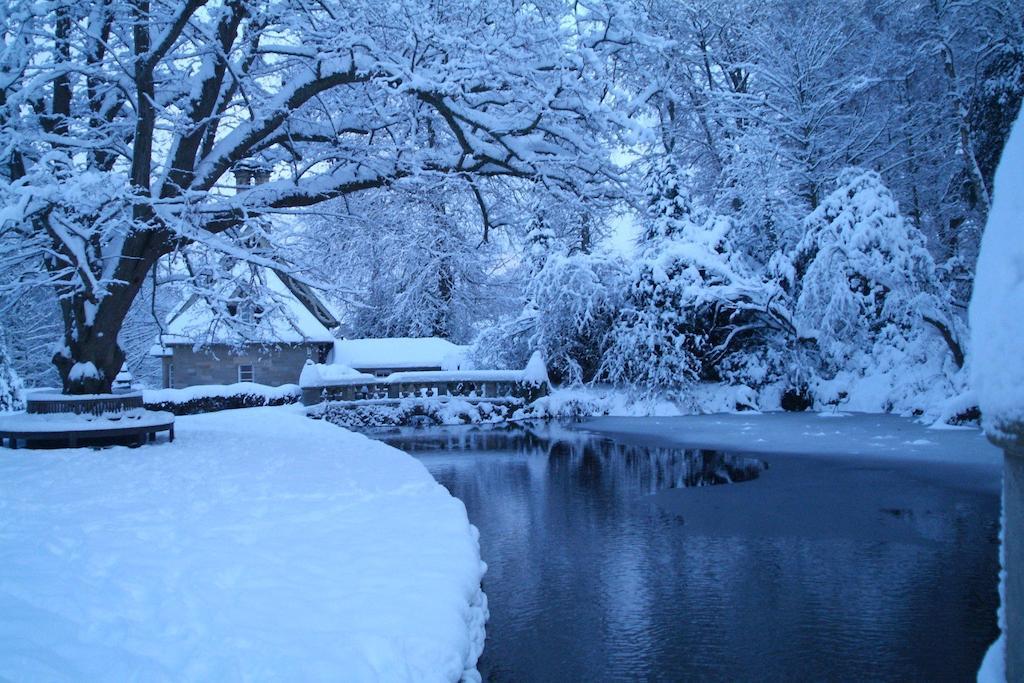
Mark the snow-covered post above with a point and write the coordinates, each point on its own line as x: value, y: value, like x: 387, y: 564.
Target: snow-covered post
x: 997, y: 333
x: 123, y: 382
x: 535, y: 377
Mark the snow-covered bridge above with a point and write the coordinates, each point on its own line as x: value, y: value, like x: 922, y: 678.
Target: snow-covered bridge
x: 337, y: 382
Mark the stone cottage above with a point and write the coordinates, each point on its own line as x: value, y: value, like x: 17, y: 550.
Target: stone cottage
x: 234, y: 340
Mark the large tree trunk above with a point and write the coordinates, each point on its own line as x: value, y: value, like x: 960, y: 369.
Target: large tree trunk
x: 91, y: 356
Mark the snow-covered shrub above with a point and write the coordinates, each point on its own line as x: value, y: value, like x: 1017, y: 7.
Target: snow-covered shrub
x: 413, y: 412
x: 861, y: 272
x: 10, y: 384
x: 865, y: 289
x: 211, y: 398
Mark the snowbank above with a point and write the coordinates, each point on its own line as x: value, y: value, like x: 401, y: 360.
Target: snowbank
x: 997, y: 306
x: 847, y: 392
x: 260, y: 545
x: 705, y: 398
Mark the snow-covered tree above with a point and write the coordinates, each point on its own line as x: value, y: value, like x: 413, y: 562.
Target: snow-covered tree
x: 414, y: 263
x: 576, y: 299
x: 120, y: 123
x: 767, y: 101
x: 10, y: 384
x: 691, y: 303
x: 571, y: 304
x: 33, y: 328
x: 540, y: 240
x: 566, y: 299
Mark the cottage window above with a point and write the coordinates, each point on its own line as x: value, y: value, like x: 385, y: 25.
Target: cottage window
x: 170, y: 376
x: 245, y: 373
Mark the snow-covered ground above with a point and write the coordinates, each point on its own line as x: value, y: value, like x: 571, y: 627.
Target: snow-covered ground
x: 710, y: 398
x: 260, y: 545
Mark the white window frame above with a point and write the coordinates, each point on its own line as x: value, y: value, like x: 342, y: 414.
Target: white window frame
x: 251, y: 373
x: 170, y: 375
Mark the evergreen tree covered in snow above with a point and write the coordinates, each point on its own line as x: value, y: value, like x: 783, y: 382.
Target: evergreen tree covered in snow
x: 10, y: 383
x: 540, y: 240
x: 865, y: 289
x: 669, y: 204
x: 862, y: 274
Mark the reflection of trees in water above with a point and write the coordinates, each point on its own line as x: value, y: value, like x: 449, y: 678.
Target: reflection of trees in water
x: 650, y: 469
x: 590, y: 461
x: 458, y: 438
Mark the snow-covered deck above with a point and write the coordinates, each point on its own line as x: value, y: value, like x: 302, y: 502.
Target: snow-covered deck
x: 259, y: 545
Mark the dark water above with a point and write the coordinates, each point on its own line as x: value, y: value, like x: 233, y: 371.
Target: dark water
x: 610, y: 561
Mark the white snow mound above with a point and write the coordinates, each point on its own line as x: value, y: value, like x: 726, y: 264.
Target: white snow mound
x: 260, y: 545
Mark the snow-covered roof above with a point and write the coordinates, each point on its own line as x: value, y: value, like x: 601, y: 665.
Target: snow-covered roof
x: 398, y: 352
x: 288, y: 321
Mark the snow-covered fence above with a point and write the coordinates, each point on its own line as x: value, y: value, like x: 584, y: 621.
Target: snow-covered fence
x: 45, y: 402
x: 322, y: 383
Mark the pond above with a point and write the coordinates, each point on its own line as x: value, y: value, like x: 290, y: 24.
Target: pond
x: 610, y: 560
